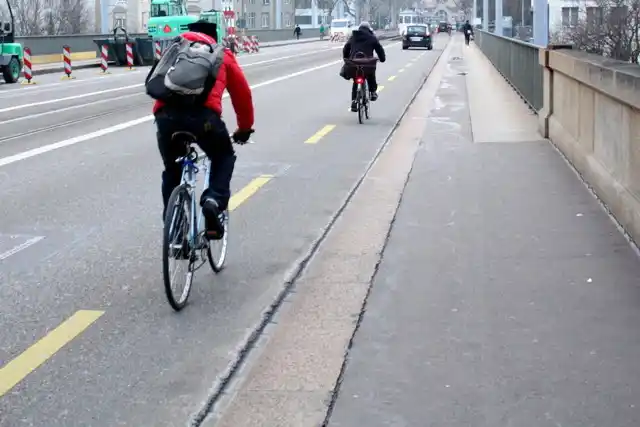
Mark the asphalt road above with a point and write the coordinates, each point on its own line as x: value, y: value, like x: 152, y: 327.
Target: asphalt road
x: 86, y: 333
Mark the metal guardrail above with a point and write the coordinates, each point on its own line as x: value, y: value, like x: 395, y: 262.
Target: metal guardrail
x: 47, y: 45
x: 518, y: 62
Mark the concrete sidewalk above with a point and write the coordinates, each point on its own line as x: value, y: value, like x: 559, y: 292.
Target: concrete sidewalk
x: 505, y: 296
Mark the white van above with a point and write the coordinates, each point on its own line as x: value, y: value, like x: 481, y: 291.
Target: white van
x: 341, y: 26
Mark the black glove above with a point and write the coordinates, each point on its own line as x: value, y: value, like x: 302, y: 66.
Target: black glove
x: 242, y: 136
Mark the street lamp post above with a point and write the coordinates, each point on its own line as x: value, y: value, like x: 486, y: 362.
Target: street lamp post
x: 541, y: 22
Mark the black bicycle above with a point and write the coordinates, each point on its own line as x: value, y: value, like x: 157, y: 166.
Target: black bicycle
x: 362, y: 92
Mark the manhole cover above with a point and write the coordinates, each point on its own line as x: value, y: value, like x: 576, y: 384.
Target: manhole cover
x: 456, y: 58
x: 464, y: 73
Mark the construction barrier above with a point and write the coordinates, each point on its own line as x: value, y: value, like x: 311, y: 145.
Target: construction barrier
x: 130, y: 56
x: 255, y: 44
x: 66, y: 53
x: 231, y: 42
x: 104, y: 59
x: 157, y: 50
x: 338, y: 38
x: 26, y: 68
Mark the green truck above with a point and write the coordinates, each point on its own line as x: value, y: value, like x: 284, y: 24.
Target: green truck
x: 11, y: 53
x: 169, y: 18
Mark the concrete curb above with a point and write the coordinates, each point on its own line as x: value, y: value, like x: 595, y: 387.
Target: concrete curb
x: 223, y: 404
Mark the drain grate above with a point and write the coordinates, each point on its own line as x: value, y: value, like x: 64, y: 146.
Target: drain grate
x: 463, y: 73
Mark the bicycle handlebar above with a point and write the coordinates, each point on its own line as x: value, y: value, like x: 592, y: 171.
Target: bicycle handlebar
x: 192, y: 155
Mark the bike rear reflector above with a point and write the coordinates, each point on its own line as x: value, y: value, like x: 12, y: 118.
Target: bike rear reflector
x: 359, y: 80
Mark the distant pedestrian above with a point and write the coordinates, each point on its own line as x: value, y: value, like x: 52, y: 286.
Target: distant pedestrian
x: 468, y: 32
x: 297, y: 31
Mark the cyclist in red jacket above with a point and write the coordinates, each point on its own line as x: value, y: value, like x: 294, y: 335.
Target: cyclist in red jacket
x: 213, y: 137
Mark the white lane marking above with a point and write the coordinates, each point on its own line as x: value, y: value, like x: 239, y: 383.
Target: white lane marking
x: 72, y: 141
x: 251, y: 64
x: 73, y: 107
x: 68, y: 98
x: 100, y: 92
x: 20, y: 247
x: 48, y: 87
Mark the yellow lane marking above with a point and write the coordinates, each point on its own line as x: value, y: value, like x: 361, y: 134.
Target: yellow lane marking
x: 17, y: 369
x: 392, y: 78
x: 58, y: 57
x: 380, y: 88
x: 408, y: 65
x: 320, y: 134
x: 248, y: 190
x: 401, y: 70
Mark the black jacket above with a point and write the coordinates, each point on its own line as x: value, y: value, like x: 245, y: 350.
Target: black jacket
x: 467, y: 27
x: 363, y: 41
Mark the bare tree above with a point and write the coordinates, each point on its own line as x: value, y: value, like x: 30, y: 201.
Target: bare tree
x: 327, y: 6
x: 610, y: 28
x: 70, y: 16
x: 374, y: 8
x: 350, y: 11
x: 465, y: 6
x: 28, y: 16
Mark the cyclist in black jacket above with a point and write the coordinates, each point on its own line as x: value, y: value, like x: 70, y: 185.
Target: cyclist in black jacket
x: 363, y: 41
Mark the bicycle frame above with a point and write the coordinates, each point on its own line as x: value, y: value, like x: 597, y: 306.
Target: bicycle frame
x: 190, y: 171
x: 361, y: 81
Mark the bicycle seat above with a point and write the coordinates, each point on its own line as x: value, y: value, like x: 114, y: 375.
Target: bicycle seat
x: 184, y: 137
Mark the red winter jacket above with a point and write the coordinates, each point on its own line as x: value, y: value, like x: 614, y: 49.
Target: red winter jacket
x: 230, y: 77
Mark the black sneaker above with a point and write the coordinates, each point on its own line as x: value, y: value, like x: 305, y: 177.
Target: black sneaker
x: 354, y: 107
x: 211, y: 212
x: 373, y: 96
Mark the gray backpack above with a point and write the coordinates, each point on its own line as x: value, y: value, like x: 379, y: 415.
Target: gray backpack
x: 186, y: 73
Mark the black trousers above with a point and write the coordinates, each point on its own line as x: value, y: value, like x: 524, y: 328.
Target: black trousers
x: 371, y: 82
x: 213, y: 139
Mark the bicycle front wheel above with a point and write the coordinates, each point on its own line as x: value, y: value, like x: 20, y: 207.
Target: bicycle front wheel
x: 217, y: 249
x: 178, y: 258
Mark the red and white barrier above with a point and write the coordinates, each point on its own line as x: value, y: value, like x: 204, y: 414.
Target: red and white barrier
x: 157, y: 50
x: 130, y: 55
x: 255, y: 44
x: 26, y: 68
x: 338, y: 38
x: 232, y: 43
x: 104, y: 59
x: 246, y: 44
x: 66, y: 53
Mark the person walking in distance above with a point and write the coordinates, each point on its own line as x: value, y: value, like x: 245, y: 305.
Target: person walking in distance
x: 297, y: 31
x: 468, y: 32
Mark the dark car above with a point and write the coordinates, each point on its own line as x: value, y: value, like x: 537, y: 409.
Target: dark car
x: 417, y: 36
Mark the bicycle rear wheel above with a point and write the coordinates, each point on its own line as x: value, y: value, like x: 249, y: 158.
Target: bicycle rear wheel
x: 359, y: 102
x: 217, y: 249
x: 365, y: 97
x: 175, y: 247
